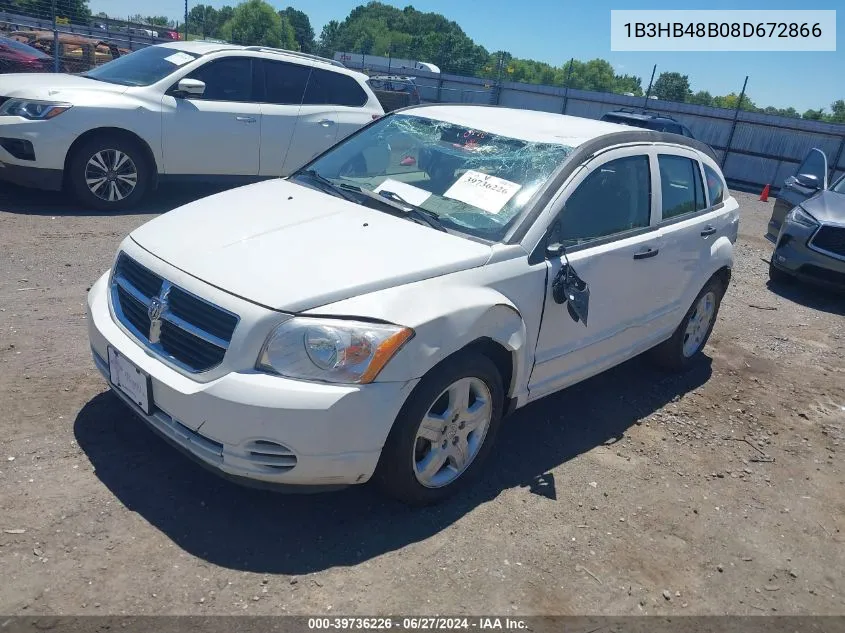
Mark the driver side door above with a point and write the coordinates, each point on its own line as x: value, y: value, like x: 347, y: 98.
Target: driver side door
x: 607, y: 226
x: 219, y: 132
x: 808, y: 180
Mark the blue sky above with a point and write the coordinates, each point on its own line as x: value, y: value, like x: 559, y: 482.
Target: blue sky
x: 555, y: 30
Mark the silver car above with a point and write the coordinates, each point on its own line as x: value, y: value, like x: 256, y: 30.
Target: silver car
x: 808, y: 226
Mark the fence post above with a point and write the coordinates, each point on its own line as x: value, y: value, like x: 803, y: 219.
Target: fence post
x: 186, y: 20
x: 733, y: 125
x: 835, y: 165
x: 55, y: 41
x: 566, y: 85
x: 650, y: 83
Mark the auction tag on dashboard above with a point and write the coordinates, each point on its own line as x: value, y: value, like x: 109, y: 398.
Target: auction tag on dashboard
x: 486, y: 192
x: 179, y: 59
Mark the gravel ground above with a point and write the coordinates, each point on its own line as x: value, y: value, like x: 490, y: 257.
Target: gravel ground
x: 716, y: 492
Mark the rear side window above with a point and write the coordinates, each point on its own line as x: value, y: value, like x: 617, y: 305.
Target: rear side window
x: 329, y: 88
x: 715, y: 187
x: 284, y: 84
x: 680, y: 184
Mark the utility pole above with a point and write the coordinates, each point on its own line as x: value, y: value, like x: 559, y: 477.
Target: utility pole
x: 186, y: 20
x: 648, y: 92
x: 566, y: 85
x: 733, y: 125
x: 55, y: 41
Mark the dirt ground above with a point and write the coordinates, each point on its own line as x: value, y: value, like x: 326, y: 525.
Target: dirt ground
x: 716, y: 492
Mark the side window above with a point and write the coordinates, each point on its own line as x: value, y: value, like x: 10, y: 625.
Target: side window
x: 330, y: 88
x: 680, y: 183
x: 715, y: 187
x: 284, y: 84
x: 615, y: 198
x: 227, y: 79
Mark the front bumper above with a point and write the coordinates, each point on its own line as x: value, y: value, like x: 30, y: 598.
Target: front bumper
x: 50, y: 143
x: 793, y: 256
x: 33, y: 177
x: 252, y: 426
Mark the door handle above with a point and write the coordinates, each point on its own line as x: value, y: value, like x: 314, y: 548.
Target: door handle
x: 651, y: 252
x: 326, y: 122
x: 245, y: 119
x: 707, y: 231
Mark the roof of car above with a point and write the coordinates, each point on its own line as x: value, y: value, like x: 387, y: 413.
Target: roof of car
x: 203, y: 47
x: 529, y: 125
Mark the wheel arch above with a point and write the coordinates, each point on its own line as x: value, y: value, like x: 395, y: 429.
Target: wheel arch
x: 113, y: 131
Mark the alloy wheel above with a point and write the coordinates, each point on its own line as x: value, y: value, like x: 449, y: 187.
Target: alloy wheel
x: 452, y: 432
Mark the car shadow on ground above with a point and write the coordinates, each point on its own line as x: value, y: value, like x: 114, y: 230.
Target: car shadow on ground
x: 24, y: 201
x: 822, y: 299
x: 268, y: 532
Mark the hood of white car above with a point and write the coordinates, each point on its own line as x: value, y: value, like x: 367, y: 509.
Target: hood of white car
x: 288, y: 247
x: 49, y: 86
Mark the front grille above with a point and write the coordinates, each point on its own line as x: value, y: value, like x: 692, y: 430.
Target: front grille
x: 188, y: 331
x: 830, y: 239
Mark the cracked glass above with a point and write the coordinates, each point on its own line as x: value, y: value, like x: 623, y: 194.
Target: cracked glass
x: 474, y: 181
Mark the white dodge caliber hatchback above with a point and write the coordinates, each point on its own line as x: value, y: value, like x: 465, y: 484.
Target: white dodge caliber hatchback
x: 377, y: 313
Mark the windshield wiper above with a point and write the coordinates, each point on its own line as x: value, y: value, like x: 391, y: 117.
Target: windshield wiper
x: 325, y: 184
x: 395, y: 201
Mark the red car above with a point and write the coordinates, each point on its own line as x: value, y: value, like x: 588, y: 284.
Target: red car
x: 17, y: 57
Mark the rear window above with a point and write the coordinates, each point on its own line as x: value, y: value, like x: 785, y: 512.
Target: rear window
x: 284, y: 83
x: 22, y: 48
x: 680, y: 184
x: 330, y: 88
x: 715, y: 186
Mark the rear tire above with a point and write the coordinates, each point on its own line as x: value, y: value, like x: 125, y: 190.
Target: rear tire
x: 685, y: 346
x: 440, y: 440
x: 109, y: 173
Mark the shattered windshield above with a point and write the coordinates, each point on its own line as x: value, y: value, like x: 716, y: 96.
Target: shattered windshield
x: 472, y: 181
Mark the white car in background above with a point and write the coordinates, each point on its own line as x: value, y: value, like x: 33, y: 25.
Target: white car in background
x: 180, y: 110
x: 378, y: 313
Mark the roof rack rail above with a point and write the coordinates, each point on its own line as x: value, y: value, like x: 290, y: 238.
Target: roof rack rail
x: 270, y: 49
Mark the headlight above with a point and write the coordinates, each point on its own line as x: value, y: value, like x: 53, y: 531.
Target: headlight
x: 331, y: 350
x: 801, y: 218
x: 33, y: 110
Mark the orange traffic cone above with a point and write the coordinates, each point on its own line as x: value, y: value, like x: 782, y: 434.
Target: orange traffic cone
x: 764, y: 197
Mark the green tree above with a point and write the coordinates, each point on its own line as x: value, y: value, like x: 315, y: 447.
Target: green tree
x: 302, y: 30
x: 256, y: 23
x: 672, y: 87
x: 327, y: 45
x: 729, y: 101
x: 702, y: 97
x: 204, y: 19
x: 813, y: 115
x: 76, y: 11
x: 837, y: 109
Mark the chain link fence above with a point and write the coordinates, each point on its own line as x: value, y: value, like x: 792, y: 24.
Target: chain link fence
x: 47, y: 40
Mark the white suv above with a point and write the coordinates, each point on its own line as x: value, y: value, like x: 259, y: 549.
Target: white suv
x: 378, y: 312
x: 180, y: 110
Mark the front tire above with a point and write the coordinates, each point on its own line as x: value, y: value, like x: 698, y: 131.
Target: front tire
x: 777, y: 276
x: 444, y: 432
x: 109, y: 173
x: 685, y: 346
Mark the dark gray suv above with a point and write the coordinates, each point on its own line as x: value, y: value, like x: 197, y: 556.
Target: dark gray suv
x: 649, y: 121
x: 808, y: 226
